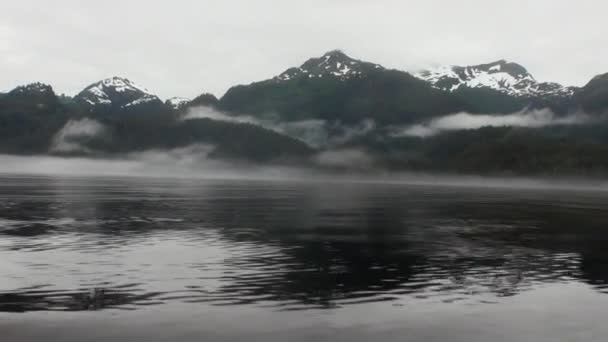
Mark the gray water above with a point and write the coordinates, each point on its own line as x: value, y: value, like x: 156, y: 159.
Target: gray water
x: 124, y: 259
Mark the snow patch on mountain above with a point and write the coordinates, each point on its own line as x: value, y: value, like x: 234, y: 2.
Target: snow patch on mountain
x: 332, y: 64
x: 116, y: 91
x: 177, y: 102
x: 502, y: 76
x: 138, y: 101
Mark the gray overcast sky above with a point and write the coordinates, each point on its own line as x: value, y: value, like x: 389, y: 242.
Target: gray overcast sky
x: 184, y: 48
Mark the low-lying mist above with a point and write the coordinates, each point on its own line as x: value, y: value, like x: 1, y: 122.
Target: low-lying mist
x: 69, y: 139
x: 462, y: 121
x: 191, y: 164
x: 314, y: 132
x: 339, y: 156
x: 187, y: 162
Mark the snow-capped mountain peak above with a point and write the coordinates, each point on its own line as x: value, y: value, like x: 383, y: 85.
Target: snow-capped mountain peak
x: 122, y: 84
x: 177, y: 102
x: 115, y: 91
x: 502, y: 76
x: 334, y: 63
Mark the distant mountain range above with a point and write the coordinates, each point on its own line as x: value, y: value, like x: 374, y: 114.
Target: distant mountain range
x: 332, y: 102
x: 338, y: 87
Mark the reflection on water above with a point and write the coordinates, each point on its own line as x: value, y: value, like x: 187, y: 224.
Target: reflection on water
x: 93, y: 244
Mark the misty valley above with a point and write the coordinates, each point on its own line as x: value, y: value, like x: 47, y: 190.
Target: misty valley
x: 333, y: 112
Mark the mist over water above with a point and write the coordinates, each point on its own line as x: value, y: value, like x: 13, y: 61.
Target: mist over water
x: 188, y: 162
x: 335, y: 166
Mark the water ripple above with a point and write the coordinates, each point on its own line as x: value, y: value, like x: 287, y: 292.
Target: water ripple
x: 88, y: 246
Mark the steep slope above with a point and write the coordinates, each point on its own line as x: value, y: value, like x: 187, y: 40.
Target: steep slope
x: 593, y: 97
x: 115, y: 96
x: 336, y: 87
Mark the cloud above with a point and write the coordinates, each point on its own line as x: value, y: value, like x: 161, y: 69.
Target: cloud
x: 348, y: 133
x: 323, y: 134
x: 187, y: 162
x: 265, y: 37
x: 315, y: 133
x: 461, y: 121
x: 345, y: 158
x: 184, y: 156
x: 204, y: 112
x: 74, y: 132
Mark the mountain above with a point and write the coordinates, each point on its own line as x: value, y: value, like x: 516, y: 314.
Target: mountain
x: 205, y: 99
x: 29, y: 117
x: 34, y: 97
x: 115, y: 96
x: 342, y: 102
x: 138, y: 120
x: 336, y: 87
x: 334, y: 64
x: 33, y: 119
x: 223, y: 140
x: 505, y: 77
x: 177, y: 102
x: 593, y: 97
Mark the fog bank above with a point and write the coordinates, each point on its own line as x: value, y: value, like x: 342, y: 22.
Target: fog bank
x: 74, y: 132
x: 187, y: 162
x: 190, y: 163
x: 462, y: 121
x: 314, y: 132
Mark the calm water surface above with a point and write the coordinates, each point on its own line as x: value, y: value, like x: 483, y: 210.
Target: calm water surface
x: 115, y: 259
